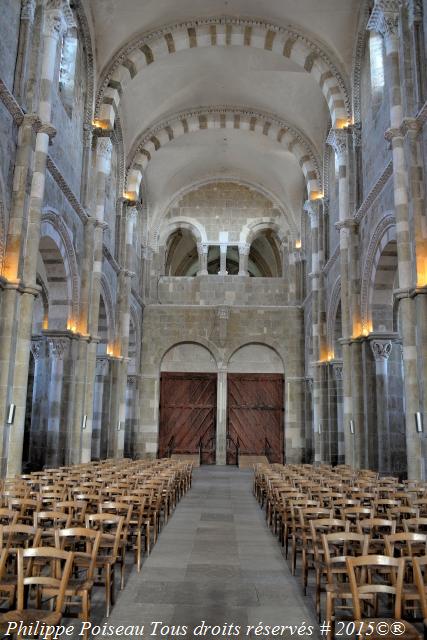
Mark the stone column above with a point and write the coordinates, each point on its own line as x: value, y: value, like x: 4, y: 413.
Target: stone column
x: 38, y: 418
x: 223, y: 260
x: 122, y: 341
x: 102, y: 369
x: 82, y: 444
x: 53, y: 444
x: 24, y: 49
x: 320, y: 422
x: 221, y: 417
x: 382, y: 350
x: 338, y: 139
x: 385, y: 20
x: 202, y: 250
x: 244, y: 250
x: 338, y: 398
x: 23, y: 245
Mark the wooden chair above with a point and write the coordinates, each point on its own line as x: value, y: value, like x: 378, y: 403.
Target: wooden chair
x: 58, y: 566
x: 318, y: 528
x: 376, y: 529
x: 76, y: 508
x: 415, y: 525
x: 336, y: 548
x: 110, y: 527
x: 123, y: 509
x: 84, y: 543
x: 369, y: 577
x: 420, y: 576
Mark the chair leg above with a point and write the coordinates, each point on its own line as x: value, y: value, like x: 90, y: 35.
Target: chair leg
x: 85, y: 612
x: 107, y: 590
x: 330, y: 633
x: 138, y: 551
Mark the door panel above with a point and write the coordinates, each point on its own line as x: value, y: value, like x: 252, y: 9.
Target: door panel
x: 255, y: 415
x: 188, y: 414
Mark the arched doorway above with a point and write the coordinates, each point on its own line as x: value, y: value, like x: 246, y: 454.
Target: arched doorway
x: 255, y: 404
x: 188, y: 401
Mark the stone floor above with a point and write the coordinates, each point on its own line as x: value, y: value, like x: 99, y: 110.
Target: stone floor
x: 215, y: 561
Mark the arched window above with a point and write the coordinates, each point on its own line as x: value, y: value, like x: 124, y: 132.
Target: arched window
x: 67, y: 68
x: 376, y: 55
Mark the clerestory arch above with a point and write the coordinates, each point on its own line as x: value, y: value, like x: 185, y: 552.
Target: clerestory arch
x: 223, y: 31
x: 224, y: 117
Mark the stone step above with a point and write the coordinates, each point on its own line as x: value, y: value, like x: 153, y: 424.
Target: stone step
x: 187, y: 457
x: 247, y: 461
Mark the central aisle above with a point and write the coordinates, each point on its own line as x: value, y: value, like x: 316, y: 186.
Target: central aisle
x: 216, y: 561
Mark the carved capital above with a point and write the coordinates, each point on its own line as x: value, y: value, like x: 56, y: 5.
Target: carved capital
x: 28, y: 8
x: 337, y: 369
x: 244, y: 249
x: 104, y: 148
x: 385, y: 18
x: 381, y: 349
x: 57, y: 348
x: 415, y: 10
x: 338, y: 140
x: 202, y: 248
x: 102, y: 365
x: 36, y: 347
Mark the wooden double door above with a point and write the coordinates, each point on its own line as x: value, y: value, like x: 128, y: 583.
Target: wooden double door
x: 188, y: 409
x: 188, y: 415
x: 255, y: 416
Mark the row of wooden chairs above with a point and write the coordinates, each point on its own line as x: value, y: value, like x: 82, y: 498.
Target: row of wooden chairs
x: 328, y: 517
x: 114, y: 507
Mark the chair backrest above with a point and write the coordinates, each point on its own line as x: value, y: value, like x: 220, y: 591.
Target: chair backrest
x: 110, y: 526
x: 337, y: 547
x: 406, y: 544
x: 55, y: 574
x: 51, y: 519
x: 15, y: 536
x: 415, y: 525
x: 84, y: 543
x: 376, y: 527
x: 372, y: 575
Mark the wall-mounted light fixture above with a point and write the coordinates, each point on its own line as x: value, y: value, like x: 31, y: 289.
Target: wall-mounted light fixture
x: 419, y: 425
x: 352, y: 427
x: 84, y: 422
x: 11, y: 414
x: 320, y: 429
x: 119, y: 426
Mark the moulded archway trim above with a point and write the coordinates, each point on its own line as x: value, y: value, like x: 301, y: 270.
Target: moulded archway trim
x: 384, y: 233
x: 223, y: 31
x: 54, y: 227
x: 222, y: 117
x: 182, y: 222
x: 271, y: 344
x: 200, y: 342
x: 251, y: 231
x: 108, y: 304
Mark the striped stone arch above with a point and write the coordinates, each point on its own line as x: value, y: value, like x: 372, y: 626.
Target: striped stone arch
x: 224, y: 117
x: 222, y: 31
x: 384, y: 235
x: 61, y: 260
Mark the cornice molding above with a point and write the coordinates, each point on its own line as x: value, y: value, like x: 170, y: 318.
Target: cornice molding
x: 66, y: 190
x: 375, y: 191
